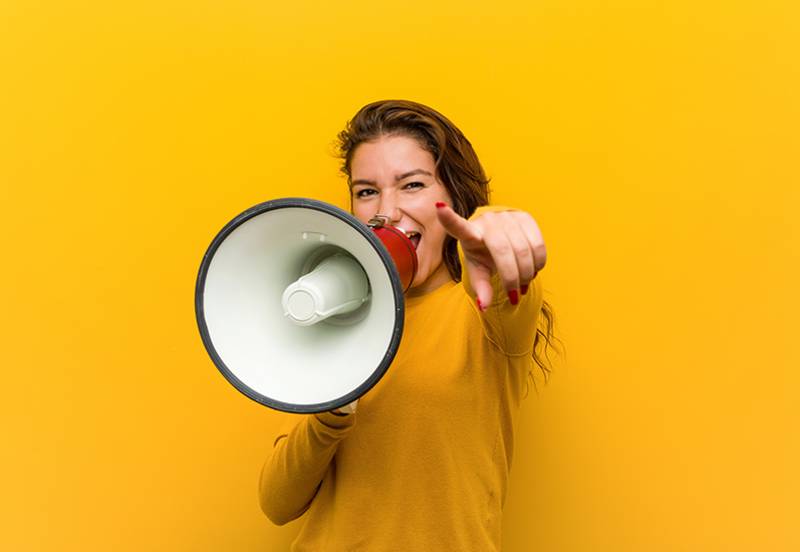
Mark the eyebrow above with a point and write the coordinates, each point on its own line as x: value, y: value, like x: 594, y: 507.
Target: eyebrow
x: 397, y: 178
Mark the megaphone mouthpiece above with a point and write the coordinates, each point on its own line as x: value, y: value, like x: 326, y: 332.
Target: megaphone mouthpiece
x: 337, y: 285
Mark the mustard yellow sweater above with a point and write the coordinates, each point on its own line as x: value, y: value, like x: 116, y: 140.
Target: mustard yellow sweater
x: 423, y: 463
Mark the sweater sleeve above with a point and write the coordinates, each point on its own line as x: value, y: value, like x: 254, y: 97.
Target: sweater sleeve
x: 299, y: 460
x: 512, y: 328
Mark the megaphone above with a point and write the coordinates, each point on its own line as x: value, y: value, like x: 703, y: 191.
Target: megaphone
x: 300, y: 305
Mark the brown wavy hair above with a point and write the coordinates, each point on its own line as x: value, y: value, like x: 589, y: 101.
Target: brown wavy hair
x: 457, y: 167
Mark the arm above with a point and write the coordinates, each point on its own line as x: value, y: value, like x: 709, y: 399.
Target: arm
x: 293, y: 472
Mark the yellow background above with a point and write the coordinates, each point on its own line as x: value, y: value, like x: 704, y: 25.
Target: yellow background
x: 655, y: 142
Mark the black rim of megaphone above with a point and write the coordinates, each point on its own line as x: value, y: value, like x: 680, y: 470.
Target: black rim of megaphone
x: 373, y: 240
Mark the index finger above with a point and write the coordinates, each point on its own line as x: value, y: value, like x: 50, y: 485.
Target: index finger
x: 456, y: 225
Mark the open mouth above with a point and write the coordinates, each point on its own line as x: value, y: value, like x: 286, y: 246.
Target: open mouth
x: 415, y: 238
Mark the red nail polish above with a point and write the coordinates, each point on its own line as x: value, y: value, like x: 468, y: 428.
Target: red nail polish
x: 513, y: 296
x: 524, y: 289
x: 480, y: 307
x: 440, y: 204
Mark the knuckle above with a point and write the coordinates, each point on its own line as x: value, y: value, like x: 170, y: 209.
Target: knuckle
x: 525, y: 216
x: 523, y: 252
x: 527, y: 274
x: 510, y: 283
x: 540, y: 254
x: 502, y: 249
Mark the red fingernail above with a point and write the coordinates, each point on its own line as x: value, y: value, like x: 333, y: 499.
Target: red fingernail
x: 480, y: 307
x: 513, y: 296
x: 440, y: 204
x: 524, y: 289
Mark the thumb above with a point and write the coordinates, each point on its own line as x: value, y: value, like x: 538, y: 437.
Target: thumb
x: 480, y: 282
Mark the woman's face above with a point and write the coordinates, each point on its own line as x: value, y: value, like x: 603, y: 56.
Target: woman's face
x: 394, y: 176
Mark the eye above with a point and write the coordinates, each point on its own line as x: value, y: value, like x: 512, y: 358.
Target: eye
x: 413, y: 185
x: 364, y: 192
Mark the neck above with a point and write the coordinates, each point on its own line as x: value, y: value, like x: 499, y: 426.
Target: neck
x: 436, y: 280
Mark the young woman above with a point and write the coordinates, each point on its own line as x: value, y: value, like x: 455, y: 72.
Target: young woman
x: 422, y: 463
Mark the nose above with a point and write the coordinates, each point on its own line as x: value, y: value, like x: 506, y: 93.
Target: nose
x: 388, y: 206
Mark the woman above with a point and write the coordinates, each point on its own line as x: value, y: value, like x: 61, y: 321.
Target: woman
x: 422, y: 464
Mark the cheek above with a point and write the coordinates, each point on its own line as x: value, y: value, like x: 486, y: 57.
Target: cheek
x: 361, y: 212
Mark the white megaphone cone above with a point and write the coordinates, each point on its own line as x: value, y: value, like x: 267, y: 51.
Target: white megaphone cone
x: 300, y: 305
